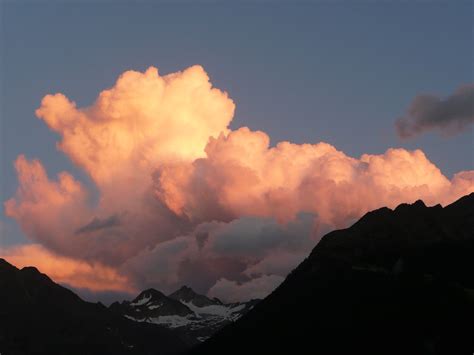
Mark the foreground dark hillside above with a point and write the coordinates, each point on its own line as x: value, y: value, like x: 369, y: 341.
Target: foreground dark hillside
x: 396, y: 282
x: 38, y: 316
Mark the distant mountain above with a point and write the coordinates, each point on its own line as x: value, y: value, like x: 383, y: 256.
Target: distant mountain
x: 38, y: 316
x: 151, y: 304
x: 195, y: 316
x: 187, y: 295
x: 396, y: 282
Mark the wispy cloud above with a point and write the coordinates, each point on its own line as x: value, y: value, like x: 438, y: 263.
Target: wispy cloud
x: 98, y: 223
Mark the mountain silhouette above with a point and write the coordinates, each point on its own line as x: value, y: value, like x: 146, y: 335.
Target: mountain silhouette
x: 38, y: 316
x: 397, y: 282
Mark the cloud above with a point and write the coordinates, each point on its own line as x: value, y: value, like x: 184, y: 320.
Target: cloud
x: 237, y: 250
x: 47, y: 209
x: 428, y: 112
x: 75, y: 273
x: 279, y: 262
x: 144, y: 119
x: 255, y: 289
x: 98, y: 223
x: 248, y: 237
x: 241, y: 175
x: 183, y: 199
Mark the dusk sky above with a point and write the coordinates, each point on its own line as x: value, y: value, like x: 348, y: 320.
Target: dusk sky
x: 354, y: 75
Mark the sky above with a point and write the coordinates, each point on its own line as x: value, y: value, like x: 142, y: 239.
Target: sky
x: 387, y: 86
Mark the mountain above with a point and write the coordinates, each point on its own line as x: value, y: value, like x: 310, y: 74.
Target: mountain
x: 151, y: 304
x: 187, y: 295
x: 396, y: 282
x: 195, y: 316
x: 38, y: 316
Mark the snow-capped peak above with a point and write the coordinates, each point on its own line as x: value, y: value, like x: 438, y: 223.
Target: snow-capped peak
x: 198, y: 315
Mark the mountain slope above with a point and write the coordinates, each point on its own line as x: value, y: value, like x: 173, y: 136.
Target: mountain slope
x: 37, y: 316
x: 196, y: 316
x: 396, y: 282
x: 186, y: 295
x: 151, y: 304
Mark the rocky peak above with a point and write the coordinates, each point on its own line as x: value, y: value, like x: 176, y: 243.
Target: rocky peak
x: 6, y: 266
x: 151, y: 303
x: 149, y: 295
x: 187, y: 295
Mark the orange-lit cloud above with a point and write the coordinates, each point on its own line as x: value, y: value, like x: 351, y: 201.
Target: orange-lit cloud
x: 184, y: 199
x: 145, y: 119
x: 46, y: 209
x: 76, y: 273
x: 242, y: 175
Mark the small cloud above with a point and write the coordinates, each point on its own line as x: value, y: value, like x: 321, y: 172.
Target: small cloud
x: 428, y: 112
x: 231, y: 291
x: 98, y: 223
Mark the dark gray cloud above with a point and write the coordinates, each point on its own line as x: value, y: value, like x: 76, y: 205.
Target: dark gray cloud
x: 428, y: 112
x: 98, y: 223
x: 201, y: 238
x: 239, y: 255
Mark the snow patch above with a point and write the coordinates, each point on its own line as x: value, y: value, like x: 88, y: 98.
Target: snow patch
x: 172, y: 321
x: 134, y: 319
x: 216, y: 310
x: 141, y: 301
x: 155, y: 306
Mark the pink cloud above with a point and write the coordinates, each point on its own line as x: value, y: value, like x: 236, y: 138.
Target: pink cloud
x: 75, y: 273
x: 184, y: 199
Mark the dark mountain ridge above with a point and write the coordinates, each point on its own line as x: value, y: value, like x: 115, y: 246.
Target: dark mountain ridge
x: 397, y: 282
x: 187, y: 294
x: 38, y: 316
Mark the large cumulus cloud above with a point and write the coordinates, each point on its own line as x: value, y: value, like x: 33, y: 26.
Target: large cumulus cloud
x: 242, y: 175
x: 185, y: 200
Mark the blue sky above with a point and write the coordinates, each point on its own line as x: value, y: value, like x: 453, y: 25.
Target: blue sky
x: 339, y: 72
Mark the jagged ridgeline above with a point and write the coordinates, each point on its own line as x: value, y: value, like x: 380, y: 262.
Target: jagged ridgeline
x: 38, y: 316
x: 396, y: 282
